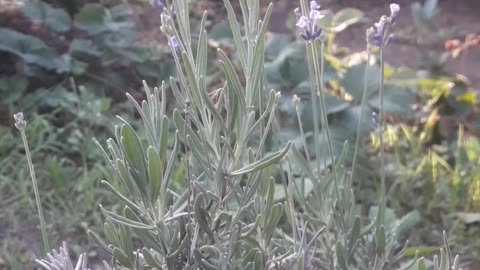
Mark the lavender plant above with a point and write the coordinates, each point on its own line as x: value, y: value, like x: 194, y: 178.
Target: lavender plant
x: 21, y: 124
x: 228, y: 217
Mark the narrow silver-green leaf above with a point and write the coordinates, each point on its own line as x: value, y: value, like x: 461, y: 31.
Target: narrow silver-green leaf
x: 99, y: 241
x: 202, y: 59
x: 340, y: 256
x: 150, y: 260
x: 132, y: 147
x: 264, y: 162
x: 119, y: 195
x: 125, y: 221
x: 237, y: 36
x: 119, y: 256
x: 162, y: 152
x: 155, y: 173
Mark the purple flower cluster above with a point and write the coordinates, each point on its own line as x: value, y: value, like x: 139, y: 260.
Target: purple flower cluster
x: 158, y: 4
x: 173, y: 43
x: 308, y: 25
x: 380, y: 28
x: 375, y: 118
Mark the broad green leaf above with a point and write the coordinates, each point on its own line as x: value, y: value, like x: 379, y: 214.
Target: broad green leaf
x: 345, y: 18
x: 31, y: 50
x: 121, y: 11
x: 221, y: 33
x: 430, y: 8
x: 91, y: 18
x: 327, y: 19
x: 55, y: 19
x: 12, y: 88
x: 275, y: 44
x: 396, y: 100
x: 408, y: 221
x: 353, y: 80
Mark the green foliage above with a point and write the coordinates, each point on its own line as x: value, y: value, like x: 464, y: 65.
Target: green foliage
x: 228, y: 215
x: 108, y: 43
x: 68, y: 166
x: 55, y: 19
x: 425, y: 33
x: 227, y: 180
x: 32, y: 51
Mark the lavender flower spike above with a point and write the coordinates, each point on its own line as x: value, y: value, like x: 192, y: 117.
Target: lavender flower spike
x: 308, y: 25
x: 315, y: 14
x: 303, y: 23
x: 314, y: 5
x: 158, y: 4
x: 375, y: 119
x: 20, y: 122
x: 173, y: 42
x: 380, y: 35
x: 394, y: 9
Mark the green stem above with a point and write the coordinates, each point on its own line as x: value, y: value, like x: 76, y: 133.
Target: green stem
x: 362, y: 109
x: 319, y: 83
x: 302, y: 134
x: 316, y: 128
x: 189, y: 182
x: 319, y: 80
x: 382, y: 148
x: 35, y: 189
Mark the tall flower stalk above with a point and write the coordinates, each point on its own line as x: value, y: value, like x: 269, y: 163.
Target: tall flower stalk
x: 379, y: 36
x: 21, y: 124
x: 314, y: 35
x: 362, y: 110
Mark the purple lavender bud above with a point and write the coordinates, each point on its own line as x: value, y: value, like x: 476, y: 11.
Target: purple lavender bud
x: 380, y: 25
x: 158, y: 4
x: 307, y: 35
x: 375, y: 119
x: 173, y: 43
x: 315, y: 15
x: 308, y: 25
x: 20, y: 122
x: 389, y: 39
x: 394, y: 9
x: 316, y: 32
x: 302, y: 22
x: 314, y: 5
x: 377, y: 39
x: 298, y: 13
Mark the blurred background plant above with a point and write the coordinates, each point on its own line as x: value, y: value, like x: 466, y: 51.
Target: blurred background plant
x: 68, y: 64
